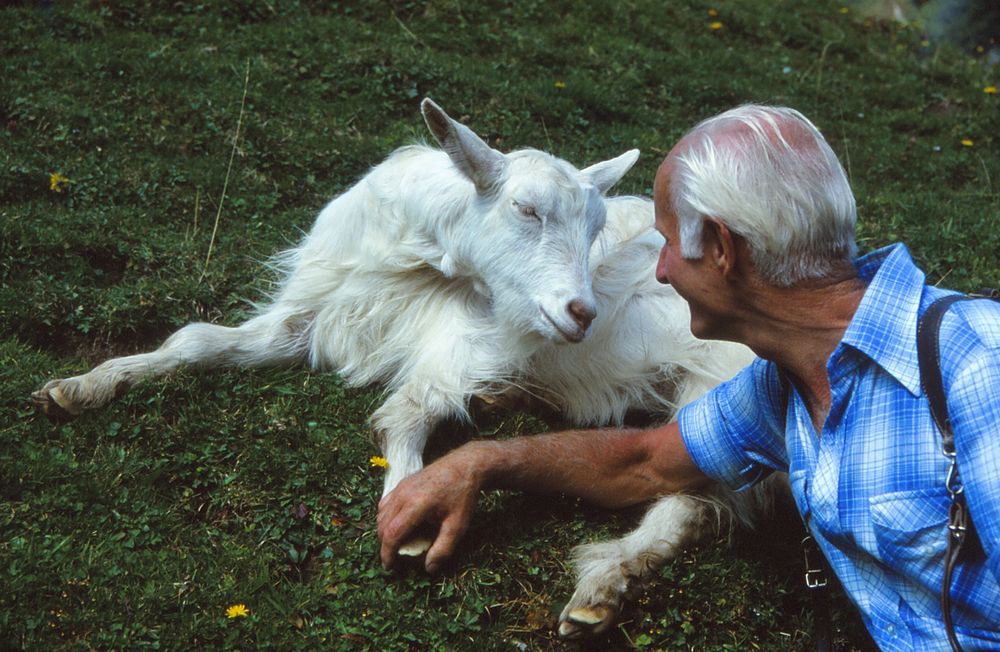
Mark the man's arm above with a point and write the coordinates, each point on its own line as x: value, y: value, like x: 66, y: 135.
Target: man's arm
x: 974, y: 411
x: 611, y: 468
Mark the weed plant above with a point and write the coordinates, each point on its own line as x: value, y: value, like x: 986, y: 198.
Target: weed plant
x: 122, y: 121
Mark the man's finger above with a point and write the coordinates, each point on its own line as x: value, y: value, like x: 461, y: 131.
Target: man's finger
x: 393, y: 532
x: 390, y: 532
x: 387, y: 554
x: 398, y: 521
x: 452, y: 529
x: 387, y: 510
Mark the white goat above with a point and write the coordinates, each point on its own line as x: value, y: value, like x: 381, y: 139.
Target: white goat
x: 449, y: 274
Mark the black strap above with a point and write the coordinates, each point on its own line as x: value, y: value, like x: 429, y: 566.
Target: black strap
x: 818, y: 584
x: 958, y: 524
x: 959, y: 521
x: 929, y: 356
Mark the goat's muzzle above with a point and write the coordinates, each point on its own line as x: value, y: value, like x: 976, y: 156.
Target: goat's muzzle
x: 582, y: 313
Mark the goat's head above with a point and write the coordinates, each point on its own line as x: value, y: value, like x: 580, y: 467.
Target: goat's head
x: 528, y: 232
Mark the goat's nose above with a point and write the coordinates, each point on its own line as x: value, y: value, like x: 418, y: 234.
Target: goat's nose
x: 583, y: 313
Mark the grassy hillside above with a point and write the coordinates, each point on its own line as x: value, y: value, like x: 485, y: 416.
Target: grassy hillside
x: 136, y: 526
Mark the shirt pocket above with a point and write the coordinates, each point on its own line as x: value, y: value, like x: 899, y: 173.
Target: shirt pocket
x: 911, y: 532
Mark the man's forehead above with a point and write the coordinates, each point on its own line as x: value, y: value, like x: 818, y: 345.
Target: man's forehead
x: 665, y: 171
x: 662, y: 193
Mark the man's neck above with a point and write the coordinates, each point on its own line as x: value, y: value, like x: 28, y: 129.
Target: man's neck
x: 798, y: 328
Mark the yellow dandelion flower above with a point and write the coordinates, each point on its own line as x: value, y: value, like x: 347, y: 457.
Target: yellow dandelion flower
x: 57, y: 182
x: 378, y: 461
x: 237, y: 611
x: 990, y: 90
x: 967, y: 142
x: 715, y: 25
x: 845, y: 10
x: 560, y: 84
x: 713, y: 12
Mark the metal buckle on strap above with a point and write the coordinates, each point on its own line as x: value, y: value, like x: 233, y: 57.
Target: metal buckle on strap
x: 952, y: 481
x: 958, y: 520
x: 815, y: 574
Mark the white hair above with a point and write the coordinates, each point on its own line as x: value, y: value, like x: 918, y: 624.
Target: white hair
x: 771, y: 178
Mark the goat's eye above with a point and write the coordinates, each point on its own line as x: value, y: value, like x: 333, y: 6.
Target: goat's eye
x: 526, y: 210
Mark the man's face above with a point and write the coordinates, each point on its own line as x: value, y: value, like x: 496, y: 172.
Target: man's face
x: 694, y: 279
x: 666, y: 223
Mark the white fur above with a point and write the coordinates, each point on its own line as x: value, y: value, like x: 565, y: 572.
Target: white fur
x: 462, y: 272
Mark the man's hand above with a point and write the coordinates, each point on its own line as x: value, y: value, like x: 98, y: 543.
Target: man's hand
x: 442, y: 496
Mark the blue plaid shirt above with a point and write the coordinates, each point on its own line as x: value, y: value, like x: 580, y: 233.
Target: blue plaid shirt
x: 872, y: 487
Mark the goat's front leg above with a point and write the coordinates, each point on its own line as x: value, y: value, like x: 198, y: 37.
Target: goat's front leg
x: 610, y: 572
x: 403, y: 423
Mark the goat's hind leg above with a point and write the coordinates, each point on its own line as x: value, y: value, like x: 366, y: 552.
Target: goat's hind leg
x: 272, y: 338
x: 611, y: 572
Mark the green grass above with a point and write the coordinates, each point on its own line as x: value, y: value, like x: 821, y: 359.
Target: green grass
x: 135, y: 526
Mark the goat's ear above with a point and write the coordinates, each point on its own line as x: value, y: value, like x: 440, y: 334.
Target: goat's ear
x: 475, y: 159
x: 608, y: 173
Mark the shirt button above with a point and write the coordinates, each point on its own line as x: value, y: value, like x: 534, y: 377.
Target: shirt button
x: 891, y: 630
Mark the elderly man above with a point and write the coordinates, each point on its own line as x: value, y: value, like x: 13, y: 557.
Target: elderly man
x: 759, y: 218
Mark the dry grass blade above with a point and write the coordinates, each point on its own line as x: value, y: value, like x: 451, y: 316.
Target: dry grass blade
x: 229, y: 169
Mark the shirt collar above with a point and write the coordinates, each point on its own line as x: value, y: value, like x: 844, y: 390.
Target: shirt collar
x: 884, y: 327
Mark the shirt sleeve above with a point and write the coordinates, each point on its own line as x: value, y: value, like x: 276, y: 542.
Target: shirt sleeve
x: 974, y: 412
x: 735, y: 433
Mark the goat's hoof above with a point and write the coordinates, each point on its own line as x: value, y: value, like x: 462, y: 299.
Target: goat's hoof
x: 584, y: 622
x: 415, y: 547
x: 53, y: 402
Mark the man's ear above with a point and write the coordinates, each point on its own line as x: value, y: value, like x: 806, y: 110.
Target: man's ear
x: 720, y: 245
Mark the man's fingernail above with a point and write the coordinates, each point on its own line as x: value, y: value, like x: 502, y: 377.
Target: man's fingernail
x: 432, y: 568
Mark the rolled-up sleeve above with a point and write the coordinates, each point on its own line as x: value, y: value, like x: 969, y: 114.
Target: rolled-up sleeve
x: 735, y: 433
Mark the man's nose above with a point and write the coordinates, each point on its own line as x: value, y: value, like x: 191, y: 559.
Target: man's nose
x: 661, y: 266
